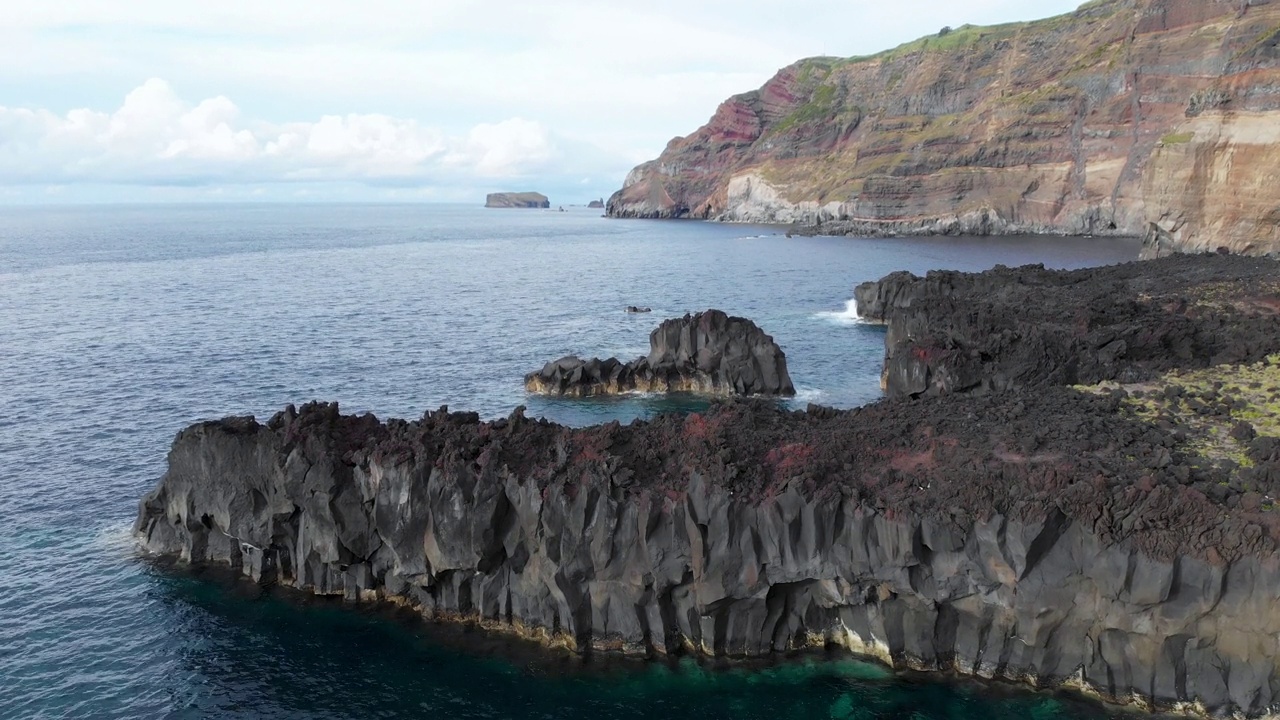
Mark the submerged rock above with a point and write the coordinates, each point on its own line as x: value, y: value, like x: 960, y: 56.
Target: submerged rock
x: 709, y: 353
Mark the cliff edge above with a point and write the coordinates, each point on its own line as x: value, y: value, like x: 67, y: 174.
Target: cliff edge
x: 1157, y: 118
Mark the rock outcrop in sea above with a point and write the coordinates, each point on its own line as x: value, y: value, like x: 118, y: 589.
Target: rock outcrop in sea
x: 710, y: 353
x: 530, y: 200
x: 1157, y: 118
x: 1120, y: 539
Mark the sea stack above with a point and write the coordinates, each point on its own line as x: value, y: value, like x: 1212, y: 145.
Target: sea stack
x: 710, y: 353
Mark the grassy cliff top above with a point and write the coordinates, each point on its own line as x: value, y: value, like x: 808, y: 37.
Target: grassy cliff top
x: 968, y: 35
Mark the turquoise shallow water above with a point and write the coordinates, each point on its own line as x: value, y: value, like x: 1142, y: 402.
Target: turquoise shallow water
x: 120, y: 325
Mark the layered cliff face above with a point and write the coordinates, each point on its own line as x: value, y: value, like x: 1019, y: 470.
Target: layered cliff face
x: 1121, y: 115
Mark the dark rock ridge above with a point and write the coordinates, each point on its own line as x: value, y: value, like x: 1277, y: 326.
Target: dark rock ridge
x: 1104, y: 540
x: 1004, y: 328
x: 517, y: 200
x: 710, y: 353
x: 1039, y: 535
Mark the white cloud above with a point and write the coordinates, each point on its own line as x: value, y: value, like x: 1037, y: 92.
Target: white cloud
x: 156, y: 137
x: 624, y: 76
x: 397, y: 92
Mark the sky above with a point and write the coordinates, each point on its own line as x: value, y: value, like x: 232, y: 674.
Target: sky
x: 384, y: 100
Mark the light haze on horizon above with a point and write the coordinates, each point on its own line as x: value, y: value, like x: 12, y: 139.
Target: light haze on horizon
x: 155, y: 101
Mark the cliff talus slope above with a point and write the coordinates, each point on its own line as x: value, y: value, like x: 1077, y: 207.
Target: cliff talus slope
x: 1122, y: 114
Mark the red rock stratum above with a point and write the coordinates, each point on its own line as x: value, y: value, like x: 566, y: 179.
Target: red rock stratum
x: 1127, y: 117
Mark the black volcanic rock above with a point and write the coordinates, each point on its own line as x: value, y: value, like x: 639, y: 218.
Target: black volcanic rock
x: 1025, y: 535
x: 710, y: 353
x: 1019, y: 327
x: 1123, y: 540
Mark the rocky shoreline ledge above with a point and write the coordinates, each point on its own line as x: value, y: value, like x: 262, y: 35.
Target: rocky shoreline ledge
x: 1113, y: 539
x: 1019, y: 327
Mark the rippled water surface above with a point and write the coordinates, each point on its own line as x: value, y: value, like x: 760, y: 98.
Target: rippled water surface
x: 120, y: 325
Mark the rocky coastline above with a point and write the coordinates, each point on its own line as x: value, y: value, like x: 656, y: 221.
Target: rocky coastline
x: 1110, y: 538
x: 1021, y: 327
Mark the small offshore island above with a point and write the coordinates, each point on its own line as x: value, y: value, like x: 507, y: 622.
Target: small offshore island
x: 526, y: 200
x: 1077, y: 494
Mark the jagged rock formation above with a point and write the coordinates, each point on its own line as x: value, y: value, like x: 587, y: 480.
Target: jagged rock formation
x: 517, y: 200
x: 596, y: 204
x: 709, y: 353
x: 1123, y: 114
x: 1004, y: 328
x: 1115, y: 540
x: 1043, y: 535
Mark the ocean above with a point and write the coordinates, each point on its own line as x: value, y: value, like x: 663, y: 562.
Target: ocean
x: 120, y: 325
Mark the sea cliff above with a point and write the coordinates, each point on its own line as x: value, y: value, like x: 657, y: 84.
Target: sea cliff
x: 1111, y: 538
x: 1156, y: 118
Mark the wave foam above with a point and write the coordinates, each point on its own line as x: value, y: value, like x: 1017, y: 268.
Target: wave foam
x: 117, y: 537
x: 806, y: 395
x: 848, y: 316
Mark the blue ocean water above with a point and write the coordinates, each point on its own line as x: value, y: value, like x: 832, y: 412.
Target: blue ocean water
x: 121, y: 325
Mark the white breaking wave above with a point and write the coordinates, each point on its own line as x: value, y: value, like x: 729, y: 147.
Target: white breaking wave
x: 806, y: 395
x: 848, y: 316
x: 117, y: 537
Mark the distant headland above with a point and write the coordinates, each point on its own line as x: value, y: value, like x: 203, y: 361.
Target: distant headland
x: 516, y: 200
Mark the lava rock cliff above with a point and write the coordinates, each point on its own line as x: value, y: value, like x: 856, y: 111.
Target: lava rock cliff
x: 1112, y: 539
